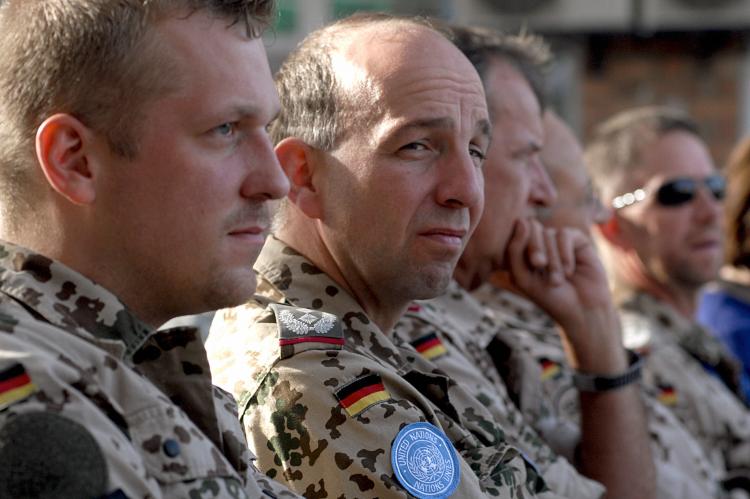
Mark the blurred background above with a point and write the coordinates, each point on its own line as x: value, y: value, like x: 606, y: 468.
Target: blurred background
x: 610, y: 54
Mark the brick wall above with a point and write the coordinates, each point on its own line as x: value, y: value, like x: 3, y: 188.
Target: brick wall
x: 697, y: 72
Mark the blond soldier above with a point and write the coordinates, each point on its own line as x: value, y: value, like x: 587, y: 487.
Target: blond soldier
x: 662, y: 244
x: 135, y: 177
x: 387, y: 186
x: 77, y: 420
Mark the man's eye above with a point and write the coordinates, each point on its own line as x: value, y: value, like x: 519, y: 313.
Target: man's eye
x: 530, y: 159
x: 478, y: 155
x: 225, y: 129
x: 414, y: 146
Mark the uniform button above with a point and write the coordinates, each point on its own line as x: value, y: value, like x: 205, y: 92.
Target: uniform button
x: 171, y: 447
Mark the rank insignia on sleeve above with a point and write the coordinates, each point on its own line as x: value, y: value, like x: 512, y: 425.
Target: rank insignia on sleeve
x: 667, y: 395
x: 425, y: 462
x: 362, y: 393
x: 430, y: 346
x: 550, y: 368
x: 303, y: 329
x: 15, y: 385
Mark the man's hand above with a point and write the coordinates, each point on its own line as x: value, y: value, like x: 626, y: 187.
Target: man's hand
x: 560, y: 271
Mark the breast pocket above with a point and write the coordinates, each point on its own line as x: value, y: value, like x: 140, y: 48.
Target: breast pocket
x: 173, y: 448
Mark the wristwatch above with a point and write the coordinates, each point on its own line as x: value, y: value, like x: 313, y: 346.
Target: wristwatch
x: 586, y: 382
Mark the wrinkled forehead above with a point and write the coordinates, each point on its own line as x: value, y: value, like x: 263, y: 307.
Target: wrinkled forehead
x: 408, y: 66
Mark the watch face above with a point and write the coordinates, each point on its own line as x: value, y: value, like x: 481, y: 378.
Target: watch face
x: 517, y: 6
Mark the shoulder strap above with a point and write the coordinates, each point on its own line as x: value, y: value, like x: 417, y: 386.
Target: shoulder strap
x: 303, y: 329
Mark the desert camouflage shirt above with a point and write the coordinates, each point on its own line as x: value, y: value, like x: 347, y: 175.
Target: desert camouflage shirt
x: 450, y: 332
x: 533, y: 363
x: 324, y: 393
x: 95, y: 404
x: 676, y: 350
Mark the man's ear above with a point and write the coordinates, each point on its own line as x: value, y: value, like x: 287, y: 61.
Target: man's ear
x: 300, y: 163
x: 63, y: 144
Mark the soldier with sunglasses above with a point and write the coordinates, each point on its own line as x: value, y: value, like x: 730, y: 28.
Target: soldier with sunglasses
x: 662, y: 244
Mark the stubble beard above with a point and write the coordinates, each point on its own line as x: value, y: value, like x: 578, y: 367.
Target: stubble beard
x: 224, y: 291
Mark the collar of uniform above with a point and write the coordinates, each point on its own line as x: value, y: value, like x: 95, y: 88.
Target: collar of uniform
x: 302, y: 284
x: 67, y: 299
x: 458, y: 313
x: 514, y: 309
x: 645, y: 319
x: 175, y: 361
x: 522, y: 319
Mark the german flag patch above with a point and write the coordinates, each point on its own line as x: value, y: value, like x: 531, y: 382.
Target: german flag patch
x: 362, y: 393
x: 667, y: 395
x: 550, y: 368
x: 15, y: 385
x: 430, y: 346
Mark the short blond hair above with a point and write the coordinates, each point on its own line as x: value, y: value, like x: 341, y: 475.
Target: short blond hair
x: 614, y: 151
x: 86, y: 58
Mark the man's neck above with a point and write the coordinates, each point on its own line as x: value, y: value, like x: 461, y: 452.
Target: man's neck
x: 683, y: 300
x: 469, y: 274
x: 305, y: 238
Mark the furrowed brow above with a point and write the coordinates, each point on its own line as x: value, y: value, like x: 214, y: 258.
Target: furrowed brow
x: 484, y: 128
x: 440, y: 123
x: 243, y: 112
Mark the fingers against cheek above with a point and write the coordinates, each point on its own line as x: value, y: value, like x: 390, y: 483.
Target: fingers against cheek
x: 516, y: 252
x: 537, y: 247
x: 554, y: 265
x: 566, y: 243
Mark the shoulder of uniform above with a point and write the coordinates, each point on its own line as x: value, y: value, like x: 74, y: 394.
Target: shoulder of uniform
x: 420, y: 326
x: 39, y: 441
x: 12, y: 314
x: 301, y: 329
x: 425, y: 311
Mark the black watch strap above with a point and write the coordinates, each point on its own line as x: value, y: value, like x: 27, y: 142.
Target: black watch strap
x: 594, y: 383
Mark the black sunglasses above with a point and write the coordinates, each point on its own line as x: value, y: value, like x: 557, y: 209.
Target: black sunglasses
x: 676, y: 191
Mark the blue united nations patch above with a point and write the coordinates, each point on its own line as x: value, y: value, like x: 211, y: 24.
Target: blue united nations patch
x: 425, y: 462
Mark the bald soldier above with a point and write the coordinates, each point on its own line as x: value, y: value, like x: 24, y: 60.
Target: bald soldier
x: 136, y: 174
x: 515, y: 108
x: 614, y: 448
x: 537, y: 372
x: 383, y: 134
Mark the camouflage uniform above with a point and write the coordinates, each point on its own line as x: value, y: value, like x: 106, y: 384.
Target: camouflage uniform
x: 94, y: 403
x: 290, y: 368
x: 433, y: 328
x: 675, y: 349
x: 529, y: 353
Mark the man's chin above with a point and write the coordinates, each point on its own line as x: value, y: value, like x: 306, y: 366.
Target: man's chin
x: 234, y: 291
x: 433, y: 283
